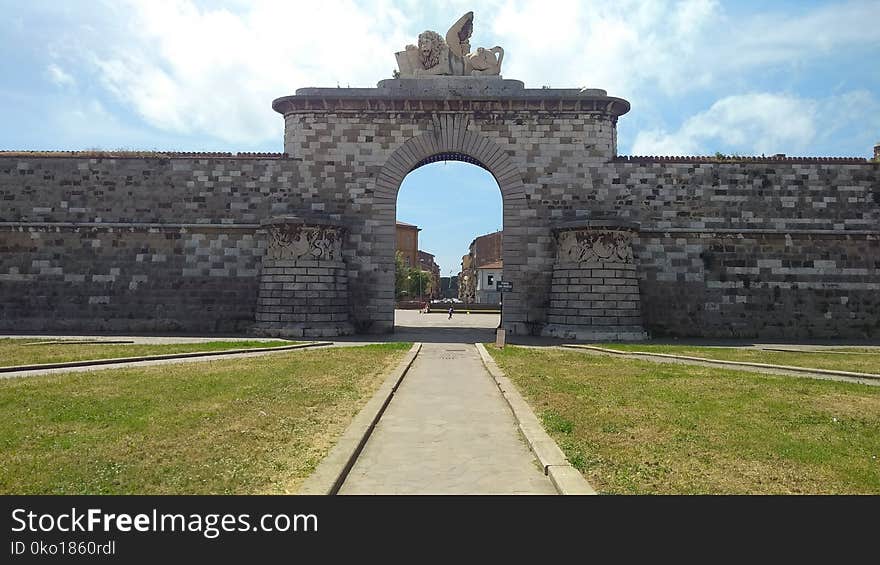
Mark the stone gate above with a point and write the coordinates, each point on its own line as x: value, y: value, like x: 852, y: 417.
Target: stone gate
x: 357, y: 145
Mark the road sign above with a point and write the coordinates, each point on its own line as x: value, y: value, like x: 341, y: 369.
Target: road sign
x: 504, y: 286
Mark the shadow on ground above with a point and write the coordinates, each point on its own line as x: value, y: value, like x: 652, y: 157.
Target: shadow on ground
x: 437, y: 327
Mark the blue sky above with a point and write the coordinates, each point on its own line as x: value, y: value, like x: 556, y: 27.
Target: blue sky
x: 794, y: 77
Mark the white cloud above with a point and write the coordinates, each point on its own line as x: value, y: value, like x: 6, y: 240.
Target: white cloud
x: 196, y: 70
x: 618, y: 46
x: 190, y: 69
x: 774, y: 38
x: 762, y: 123
x: 59, y: 77
x: 634, y: 48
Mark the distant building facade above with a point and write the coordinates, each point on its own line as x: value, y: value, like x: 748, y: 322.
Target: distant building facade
x: 408, y: 243
x: 414, y: 258
x: 427, y: 263
x: 488, y: 276
x: 481, y: 269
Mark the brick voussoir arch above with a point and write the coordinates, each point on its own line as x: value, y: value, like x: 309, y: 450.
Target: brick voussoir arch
x: 469, y: 147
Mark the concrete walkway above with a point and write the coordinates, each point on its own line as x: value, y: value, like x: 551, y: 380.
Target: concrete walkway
x: 447, y: 430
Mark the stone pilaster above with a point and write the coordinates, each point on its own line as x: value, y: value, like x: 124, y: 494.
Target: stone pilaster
x: 303, y: 280
x: 594, y: 291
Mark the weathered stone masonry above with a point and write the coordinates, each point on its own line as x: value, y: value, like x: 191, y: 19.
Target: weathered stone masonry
x: 135, y: 243
x: 755, y: 247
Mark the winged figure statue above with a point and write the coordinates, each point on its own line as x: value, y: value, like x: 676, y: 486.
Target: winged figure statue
x: 436, y: 56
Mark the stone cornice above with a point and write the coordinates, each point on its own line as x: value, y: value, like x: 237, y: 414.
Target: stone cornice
x: 450, y: 94
x: 381, y: 105
x: 597, y: 224
x: 302, y: 219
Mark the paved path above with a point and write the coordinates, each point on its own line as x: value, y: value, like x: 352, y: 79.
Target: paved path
x: 447, y: 430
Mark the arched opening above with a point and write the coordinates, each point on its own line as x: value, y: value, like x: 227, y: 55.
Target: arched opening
x: 449, y: 246
x: 373, y: 286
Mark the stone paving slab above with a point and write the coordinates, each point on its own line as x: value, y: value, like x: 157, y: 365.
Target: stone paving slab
x: 447, y: 430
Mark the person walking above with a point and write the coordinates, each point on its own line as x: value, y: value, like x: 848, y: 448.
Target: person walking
x: 450, y: 313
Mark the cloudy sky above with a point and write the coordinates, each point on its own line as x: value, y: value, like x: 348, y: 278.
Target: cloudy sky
x: 796, y: 77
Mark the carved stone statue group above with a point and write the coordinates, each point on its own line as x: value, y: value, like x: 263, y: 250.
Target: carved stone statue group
x: 435, y: 56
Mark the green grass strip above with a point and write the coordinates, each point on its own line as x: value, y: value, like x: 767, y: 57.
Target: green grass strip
x: 638, y: 427
x: 228, y: 426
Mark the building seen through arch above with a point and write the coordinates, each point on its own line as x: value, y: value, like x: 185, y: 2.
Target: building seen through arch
x: 481, y: 269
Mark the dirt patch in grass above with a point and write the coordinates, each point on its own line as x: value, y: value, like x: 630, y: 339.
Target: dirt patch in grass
x: 638, y: 427
x: 858, y: 360
x: 234, y: 426
x: 30, y: 352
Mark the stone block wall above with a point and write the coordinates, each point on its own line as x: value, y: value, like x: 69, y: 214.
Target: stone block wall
x: 167, y: 188
x: 748, y: 247
x: 303, y: 299
x: 753, y: 248
x: 761, y: 284
x: 123, y: 243
x: 127, y: 279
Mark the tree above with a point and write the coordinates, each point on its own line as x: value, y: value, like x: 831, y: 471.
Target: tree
x: 420, y: 283
x: 401, y: 275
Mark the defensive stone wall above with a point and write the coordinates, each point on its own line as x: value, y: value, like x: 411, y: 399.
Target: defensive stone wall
x: 756, y: 247
x: 171, y: 188
x: 123, y: 243
x: 127, y: 278
x: 720, y: 247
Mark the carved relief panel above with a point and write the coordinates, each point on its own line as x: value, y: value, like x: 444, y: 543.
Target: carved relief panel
x: 295, y: 242
x: 585, y: 246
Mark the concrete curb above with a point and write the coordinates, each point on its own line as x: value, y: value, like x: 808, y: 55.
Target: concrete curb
x: 116, y: 360
x: 722, y: 363
x: 564, y: 477
x: 332, y: 471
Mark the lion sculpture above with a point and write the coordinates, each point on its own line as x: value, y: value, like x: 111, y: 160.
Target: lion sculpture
x: 450, y: 57
x: 431, y: 46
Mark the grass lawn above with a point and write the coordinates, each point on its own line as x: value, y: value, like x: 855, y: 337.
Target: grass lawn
x: 16, y: 352
x: 243, y: 426
x: 638, y: 427
x: 859, y: 360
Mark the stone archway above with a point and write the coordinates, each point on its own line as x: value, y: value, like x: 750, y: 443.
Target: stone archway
x: 353, y: 148
x: 449, y: 140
